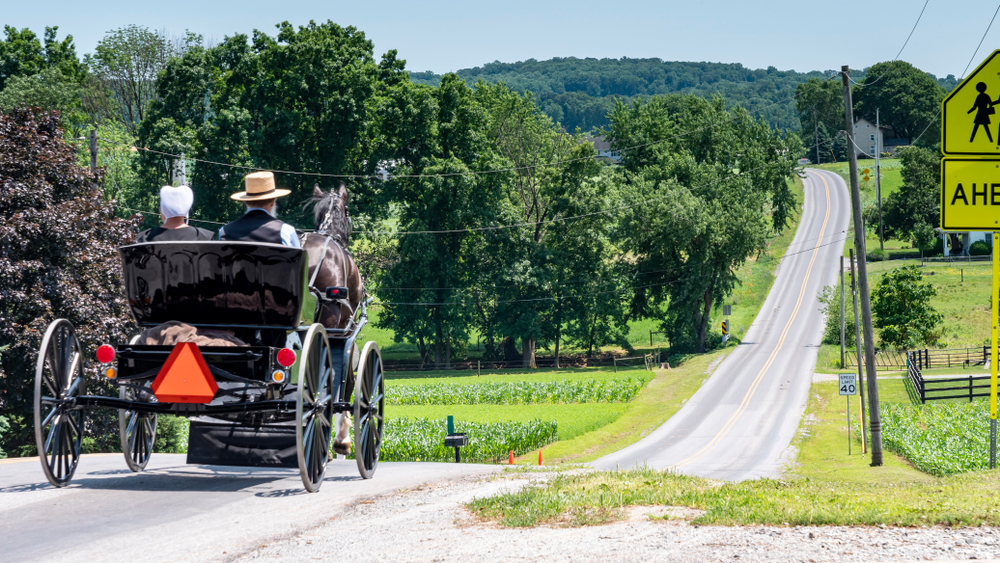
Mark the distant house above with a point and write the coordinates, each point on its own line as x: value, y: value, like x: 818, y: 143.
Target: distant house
x: 870, y: 139
x: 603, y: 149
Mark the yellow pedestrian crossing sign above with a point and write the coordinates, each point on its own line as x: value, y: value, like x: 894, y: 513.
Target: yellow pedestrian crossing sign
x: 969, y: 120
x: 970, y: 194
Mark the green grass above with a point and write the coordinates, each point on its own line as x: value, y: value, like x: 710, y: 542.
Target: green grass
x: 572, y: 420
x: 826, y: 486
x: 963, y: 299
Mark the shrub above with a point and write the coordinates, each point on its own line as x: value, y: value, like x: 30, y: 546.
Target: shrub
x: 171, y: 434
x: 875, y: 255
x: 58, y: 258
x: 829, y: 298
x: 980, y: 248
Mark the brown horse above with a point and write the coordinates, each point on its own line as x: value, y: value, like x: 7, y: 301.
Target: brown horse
x: 331, y: 265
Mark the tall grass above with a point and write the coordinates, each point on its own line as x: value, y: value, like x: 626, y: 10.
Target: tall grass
x: 518, y: 392
x: 420, y: 439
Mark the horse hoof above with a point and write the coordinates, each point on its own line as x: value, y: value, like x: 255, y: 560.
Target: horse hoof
x: 342, y: 449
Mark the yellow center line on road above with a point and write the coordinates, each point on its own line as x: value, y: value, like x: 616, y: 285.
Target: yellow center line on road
x: 770, y: 360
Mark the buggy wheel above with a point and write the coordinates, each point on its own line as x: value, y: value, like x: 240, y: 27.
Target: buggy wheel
x: 314, y: 407
x: 137, y: 430
x: 59, y: 380
x: 369, y: 410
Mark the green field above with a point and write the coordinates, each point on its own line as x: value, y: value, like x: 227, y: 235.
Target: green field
x: 824, y: 486
x: 963, y: 298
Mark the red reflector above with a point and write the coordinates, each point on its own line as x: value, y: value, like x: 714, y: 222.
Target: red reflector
x: 185, y: 378
x: 286, y: 357
x: 105, y: 354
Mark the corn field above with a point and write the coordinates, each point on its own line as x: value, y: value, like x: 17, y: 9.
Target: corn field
x: 620, y: 390
x: 421, y: 439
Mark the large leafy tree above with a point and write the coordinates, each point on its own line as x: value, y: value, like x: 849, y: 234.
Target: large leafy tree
x: 907, y: 100
x: 22, y: 53
x: 702, y: 202
x: 901, y: 309
x: 303, y: 100
x: 533, y: 262
x: 58, y: 255
x: 917, y: 202
x: 820, y: 105
x: 440, y: 142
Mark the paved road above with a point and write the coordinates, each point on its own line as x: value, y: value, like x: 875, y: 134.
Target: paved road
x: 740, y: 423
x: 178, y: 512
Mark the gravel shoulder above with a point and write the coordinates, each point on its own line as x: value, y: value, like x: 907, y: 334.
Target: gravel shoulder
x: 430, y: 523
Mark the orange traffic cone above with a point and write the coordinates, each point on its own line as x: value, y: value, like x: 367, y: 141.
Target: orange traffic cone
x: 511, y: 460
x: 540, y: 462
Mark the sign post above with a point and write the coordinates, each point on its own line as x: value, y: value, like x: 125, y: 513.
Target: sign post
x: 970, y: 184
x: 848, y: 386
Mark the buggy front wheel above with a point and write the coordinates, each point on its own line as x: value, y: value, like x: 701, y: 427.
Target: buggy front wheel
x: 369, y: 410
x: 314, y: 407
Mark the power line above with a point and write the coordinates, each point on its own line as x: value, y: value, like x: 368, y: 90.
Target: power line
x: 914, y: 28
x: 557, y: 298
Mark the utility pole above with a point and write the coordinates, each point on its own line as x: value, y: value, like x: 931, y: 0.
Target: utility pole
x: 842, y: 333
x: 816, y: 135
x: 857, y: 344
x: 866, y: 306
x: 878, y: 179
x: 93, y: 150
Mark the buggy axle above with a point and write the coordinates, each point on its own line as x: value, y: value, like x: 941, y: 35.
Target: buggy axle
x: 187, y: 409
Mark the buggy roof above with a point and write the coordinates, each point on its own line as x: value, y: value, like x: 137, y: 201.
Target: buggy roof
x: 215, y: 283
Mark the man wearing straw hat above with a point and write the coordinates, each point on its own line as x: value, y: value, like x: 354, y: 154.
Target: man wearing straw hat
x: 259, y: 224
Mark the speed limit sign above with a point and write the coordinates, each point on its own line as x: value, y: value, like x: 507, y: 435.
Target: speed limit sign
x: 848, y: 384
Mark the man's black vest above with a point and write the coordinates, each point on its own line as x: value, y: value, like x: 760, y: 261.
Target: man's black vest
x: 256, y: 226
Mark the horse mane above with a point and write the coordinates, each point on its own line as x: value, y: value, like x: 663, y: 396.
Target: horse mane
x: 322, y: 202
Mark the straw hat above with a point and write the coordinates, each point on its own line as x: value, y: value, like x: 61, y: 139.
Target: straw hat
x: 260, y: 185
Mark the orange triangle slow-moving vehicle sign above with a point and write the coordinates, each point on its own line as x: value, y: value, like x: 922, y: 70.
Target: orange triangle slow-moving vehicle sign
x: 185, y: 378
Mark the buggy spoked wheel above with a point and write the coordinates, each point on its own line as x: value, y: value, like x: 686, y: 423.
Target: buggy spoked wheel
x: 369, y: 410
x: 59, y: 380
x: 314, y: 407
x: 137, y: 430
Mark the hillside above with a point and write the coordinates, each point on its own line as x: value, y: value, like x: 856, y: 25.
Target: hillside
x: 579, y: 92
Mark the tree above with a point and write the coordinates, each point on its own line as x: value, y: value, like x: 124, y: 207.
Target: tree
x: 48, y: 90
x: 58, y: 252
x: 428, y: 285
x: 126, y: 63
x: 917, y: 202
x: 533, y: 260
x: 822, y: 100
x: 304, y: 100
x: 902, y: 311
x: 907, y: 100
x: 699, y: 204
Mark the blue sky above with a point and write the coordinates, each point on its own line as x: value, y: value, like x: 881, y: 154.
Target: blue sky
x: 449, y: 35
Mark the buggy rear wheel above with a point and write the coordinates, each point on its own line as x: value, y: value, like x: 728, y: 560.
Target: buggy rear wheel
x: 314, y: 407
x: 59, y: 380
x: 137, y: 430
x: 369, y: 410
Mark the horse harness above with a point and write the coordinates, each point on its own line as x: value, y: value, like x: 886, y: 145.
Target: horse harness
x: 341, y: 244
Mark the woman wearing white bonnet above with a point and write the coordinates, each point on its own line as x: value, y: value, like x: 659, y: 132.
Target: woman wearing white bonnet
x: 175, y: 206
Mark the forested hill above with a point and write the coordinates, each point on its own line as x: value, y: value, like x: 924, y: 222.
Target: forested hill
x: 579, y: 92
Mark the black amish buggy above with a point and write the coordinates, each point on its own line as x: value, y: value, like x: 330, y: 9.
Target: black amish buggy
x: 250, y: 405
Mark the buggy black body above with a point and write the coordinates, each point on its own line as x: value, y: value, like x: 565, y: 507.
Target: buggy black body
x: 269, y: 400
